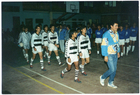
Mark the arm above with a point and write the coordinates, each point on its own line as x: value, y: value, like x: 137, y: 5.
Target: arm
x: 67, y: 50
x: 32, y: 41
x: 104, y: 45
x: 89, y: 45
x: 20, y: 38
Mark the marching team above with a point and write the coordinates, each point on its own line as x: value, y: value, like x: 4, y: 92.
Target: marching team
x: 76, y: 44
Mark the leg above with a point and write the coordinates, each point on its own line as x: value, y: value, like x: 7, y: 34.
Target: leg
x: 82, y: 66
x: 41, y: 61
x: 133, y: 46
x: 32, y: 59
x: 76, y: 72
x: 130, y: 45
x: 49, y: 56
x: 97, y: 48
x: 57, y: 56
x: 26, y: 55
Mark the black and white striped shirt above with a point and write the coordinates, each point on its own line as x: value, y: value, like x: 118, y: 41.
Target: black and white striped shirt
x: 36, y: 40
x: 53, y: 38
x: 83, y: 43
x: 45, y: 36
x: 71, y: 48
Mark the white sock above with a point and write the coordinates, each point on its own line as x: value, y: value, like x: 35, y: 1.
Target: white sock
x: 121, y: 53
x: 76, y: 74
x: 31, y: 63
x: 127, y: 50
x: 133, y: 47
x: 58, y: 59
x: 85, y: 63
x: 41, y: 63
x: 27, y: 56
x: 97, y: 52
x: 129, y: 47
x: 123, y: 50
x: 49, y: 58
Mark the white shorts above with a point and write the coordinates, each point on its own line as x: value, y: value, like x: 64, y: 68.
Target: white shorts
x: 127, y: 40
x: 73, y: 57
x: 45, y: 43
x: 133, y: 38
x: 38, y: 49
x: 121, y: 42
x: 85, y: 54
x: 52, y: 47
x: 98, y: 40
x: 26, y: 46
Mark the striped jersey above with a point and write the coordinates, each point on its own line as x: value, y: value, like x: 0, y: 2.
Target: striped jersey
x: 71, y: 47
x: 53, y: 38
x: 45, y: 36
x: 83, y: 43
x: 36, y: 40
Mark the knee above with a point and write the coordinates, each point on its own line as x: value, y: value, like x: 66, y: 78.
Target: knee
x: 87, y: 61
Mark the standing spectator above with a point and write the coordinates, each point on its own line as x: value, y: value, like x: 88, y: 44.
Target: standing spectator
x: 133, y: 36
x: 122, y: 39
x: 67, y: 33
x: 93, y: 33
x: 78, y: 31
x: 89, y: 31
x: 98, y: 39
x: 127, y: 36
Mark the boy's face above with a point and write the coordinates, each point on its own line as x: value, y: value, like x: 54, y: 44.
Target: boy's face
x: 46, y: 28
x: 126, y: 26
x: 114, y: 27
x: 84, y: 30
x: 74, y: 35
x: 26, y: 29
x: 67, y: 28
x: 78, y: 31
x: 99, y: 27
x: 121, y: 27
x: 52, y: 28
x: 60, y: 26
x: 38, y: 29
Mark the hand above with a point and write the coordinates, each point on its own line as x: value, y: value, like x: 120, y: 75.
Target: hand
x: 69, y: 60
x: 118, y: 55
x: 57, y: 46
x: 35, y: 49
x: 106, y: 59
x: 89, y: 51
x: 80, y: 54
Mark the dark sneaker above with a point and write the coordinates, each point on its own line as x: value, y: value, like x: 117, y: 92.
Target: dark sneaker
x: 77, y: 80
x: 84, y: 74
x: 43, y: 69
x: 61, y: 75
x: 31, y: 66
x: 49, y: 63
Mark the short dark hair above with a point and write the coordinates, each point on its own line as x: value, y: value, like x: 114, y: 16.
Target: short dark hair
x: 25, y: 27
x: 36, y: 26
x: 113, y: 22
x: 82, y: 27
x: 68, y: 26
x: 52, y: 25
x: 45, y: 26
x: 71, y: 33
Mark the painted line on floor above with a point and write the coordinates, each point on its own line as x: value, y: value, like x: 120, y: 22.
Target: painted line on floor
x: 36, y: 80
x: 54, y: 81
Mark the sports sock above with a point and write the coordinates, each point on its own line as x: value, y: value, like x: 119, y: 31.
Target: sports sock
x: 58, y: 59
x: 41, y: 63
x: 49, y: 58
x: 133, y: 47
x: 121, y: 53
x: 24, y: 52
x: 129, y: 47
x: 76, y: 74
x: 64, y: 71
x: 31, y: 63
x: 85, y: 63
x: 27, y: 56
x: 123, y: 50
x: 97, y: 52
x: 82, y: 68
x: 127, y: 50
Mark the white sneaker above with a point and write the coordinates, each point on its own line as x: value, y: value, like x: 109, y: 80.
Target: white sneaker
x: 112, y: 85
x: 102, y: 81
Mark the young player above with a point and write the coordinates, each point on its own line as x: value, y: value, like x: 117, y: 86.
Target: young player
x: 25, y: 38
x: 122, y: 39
x: 89, y: 30
x: 71, y: 54
x: 78, y: 31
x: 37, y: 44
x: 22, y: 30
x: 98, y: 39
x: 103, y: 28
x: 93, y: 33
x: 110, y: 50
x: 45, y: 40
x: 53, y: 44
x: 61, y: 37
x: 84, y: 49
x: 127, y: 35
x: 133, y: 36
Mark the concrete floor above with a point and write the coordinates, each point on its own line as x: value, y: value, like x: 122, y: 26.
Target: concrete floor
x: 18, y: 78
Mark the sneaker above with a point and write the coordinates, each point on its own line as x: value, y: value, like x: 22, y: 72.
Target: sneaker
x: 77, y: 80
x: 49, y: 63
x: 43, y: 69
x: 84, y: 73
x: 31, y: 66
x: 61, y: 64
x: 102, y: 81
x: 112, y: 85
x: 61, y: 75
